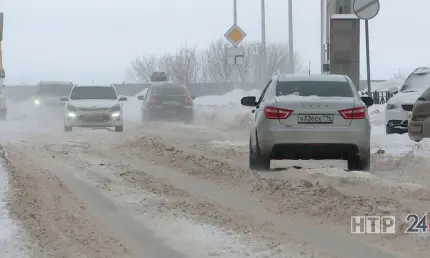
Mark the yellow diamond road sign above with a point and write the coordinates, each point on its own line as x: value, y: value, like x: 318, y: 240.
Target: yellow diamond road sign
x: 235, y: 35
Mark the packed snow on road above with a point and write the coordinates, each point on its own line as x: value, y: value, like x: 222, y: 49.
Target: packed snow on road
x: 169, y: 189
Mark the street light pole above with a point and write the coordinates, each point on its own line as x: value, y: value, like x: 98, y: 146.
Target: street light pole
x: 322, y: 35
x: 263, y: 63
x: 290, y: 36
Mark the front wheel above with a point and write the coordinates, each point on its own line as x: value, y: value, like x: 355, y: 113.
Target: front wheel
x: 119, y: 128
x: 67, y: 128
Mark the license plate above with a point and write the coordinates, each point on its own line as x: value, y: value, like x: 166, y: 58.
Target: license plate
x: 96, y: 118
x: 171, y: 103
x: 315, y: 119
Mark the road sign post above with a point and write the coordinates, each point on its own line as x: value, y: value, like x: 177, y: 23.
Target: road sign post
x: 366, y: 10
x: 235, y: 54
x: 235, y: 35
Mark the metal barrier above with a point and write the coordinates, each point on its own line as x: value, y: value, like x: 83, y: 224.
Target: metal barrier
x: 380, y: 97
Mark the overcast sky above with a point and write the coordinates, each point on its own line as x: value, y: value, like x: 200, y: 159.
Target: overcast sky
x: 86, y: 40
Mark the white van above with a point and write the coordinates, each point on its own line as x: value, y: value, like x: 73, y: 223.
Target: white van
x: 3, y: 101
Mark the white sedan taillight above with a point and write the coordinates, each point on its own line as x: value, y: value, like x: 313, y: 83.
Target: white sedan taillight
x: 353, y: 113
x: 277, y: 113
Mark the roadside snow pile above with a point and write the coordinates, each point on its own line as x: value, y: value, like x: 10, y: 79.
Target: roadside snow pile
x: 391, y: 85
x: 377, y: 114
x: 231, y: 98
x: 224, y: 111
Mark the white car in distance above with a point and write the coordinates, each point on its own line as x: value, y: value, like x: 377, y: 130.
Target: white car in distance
x: 93, y: 106
x: 399, y: 108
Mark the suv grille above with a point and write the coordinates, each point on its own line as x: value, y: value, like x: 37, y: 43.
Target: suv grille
x: 408, y: 107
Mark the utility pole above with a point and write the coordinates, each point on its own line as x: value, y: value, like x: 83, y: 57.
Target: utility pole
x: 263, y: 60
x: 322, y: 35
x: 290, y: 37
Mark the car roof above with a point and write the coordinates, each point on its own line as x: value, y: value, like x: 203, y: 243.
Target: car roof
x: 56, y: 83
x: 421, y: 70
x: 95, y: 85
x: 313, y: 77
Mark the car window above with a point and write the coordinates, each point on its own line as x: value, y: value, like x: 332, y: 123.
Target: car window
x: 56, y: 90
x: 263, y: 93
x: 91, y: 92
x: 418, y: 81
x: 314, y: 88
x: 169, y: 90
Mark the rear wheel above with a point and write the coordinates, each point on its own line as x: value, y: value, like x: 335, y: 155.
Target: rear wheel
x: 119, y: 128
x: 189, y: 120
x: 2, y: 116
x: 256, y: 160
x: 356, y: 163
x: 67, y: 128
x: 145, y: 117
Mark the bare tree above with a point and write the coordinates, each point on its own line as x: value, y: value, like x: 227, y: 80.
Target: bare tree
x: 143, y: 67
x: 183, y: 66
x: 215, y: 64
x: 188, y: 65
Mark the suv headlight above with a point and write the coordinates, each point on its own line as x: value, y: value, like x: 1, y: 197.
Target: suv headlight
x: 115, y: 108
x: 391, y: 106
x: 71, y: 108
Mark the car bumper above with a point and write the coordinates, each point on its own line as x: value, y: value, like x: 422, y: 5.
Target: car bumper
x: 352, y: 138
x: 164, y: 112
x: 89, y: 120
x: 397, y: 118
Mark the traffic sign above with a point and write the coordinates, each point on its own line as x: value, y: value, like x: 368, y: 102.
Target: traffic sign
x: 235, y: 35
x: 235, y: 55
x: 366, y: 9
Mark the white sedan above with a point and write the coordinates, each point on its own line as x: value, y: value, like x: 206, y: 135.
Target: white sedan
x: 94, y: 107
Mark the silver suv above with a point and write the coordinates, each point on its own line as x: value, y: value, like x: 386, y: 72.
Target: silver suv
x: 309, y: 117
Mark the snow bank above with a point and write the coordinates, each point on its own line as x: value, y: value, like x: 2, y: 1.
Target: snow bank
x: 391, y: 85
x: 224, y: 111
x: 231, y: 98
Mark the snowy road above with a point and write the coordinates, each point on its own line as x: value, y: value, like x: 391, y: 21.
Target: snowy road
x: 170, y: 190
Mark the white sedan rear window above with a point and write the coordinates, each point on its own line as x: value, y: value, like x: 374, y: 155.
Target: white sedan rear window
x: 314, y: 88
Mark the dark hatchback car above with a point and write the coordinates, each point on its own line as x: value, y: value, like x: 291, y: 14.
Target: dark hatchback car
x: 48, y: 93
x: 167, y: 101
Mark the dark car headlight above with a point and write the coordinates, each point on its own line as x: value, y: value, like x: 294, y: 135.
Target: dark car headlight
x: 72, y: 108
x: 115, y: 108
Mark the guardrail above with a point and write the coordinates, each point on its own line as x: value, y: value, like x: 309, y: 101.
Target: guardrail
x: 380, y: 97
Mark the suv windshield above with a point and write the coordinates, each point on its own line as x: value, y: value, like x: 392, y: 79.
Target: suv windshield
x: 56, y: 90
x: 93, y: 92
x: 417, y: 82
x: 314, y: 88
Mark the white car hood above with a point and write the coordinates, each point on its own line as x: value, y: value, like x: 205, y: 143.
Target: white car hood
x: 405, y: 97
x: 93, y: 103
